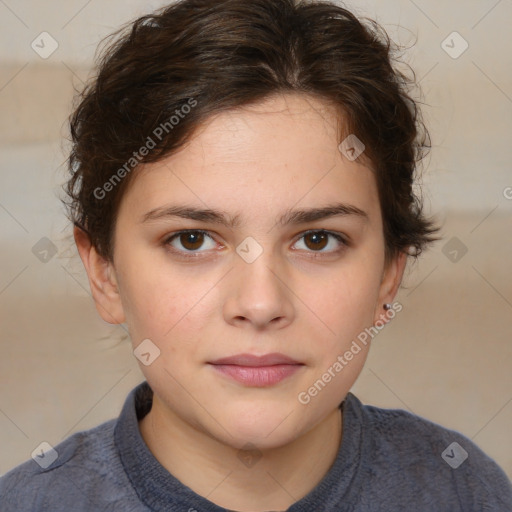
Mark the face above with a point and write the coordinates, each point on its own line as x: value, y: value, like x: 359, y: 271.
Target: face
x: 254, y: 277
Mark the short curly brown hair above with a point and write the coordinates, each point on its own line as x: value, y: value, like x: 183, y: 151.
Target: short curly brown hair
x: 217, y: 55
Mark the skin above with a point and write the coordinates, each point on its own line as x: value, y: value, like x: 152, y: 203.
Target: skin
x: 304, y: 300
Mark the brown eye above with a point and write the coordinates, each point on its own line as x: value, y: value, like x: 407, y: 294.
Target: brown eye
x: 316, y: 241
x: 322, y: 242
x: 192, y: 241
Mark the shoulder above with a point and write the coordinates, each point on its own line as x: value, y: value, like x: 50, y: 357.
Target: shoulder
x: 410, y: 455
x: 82, y: 471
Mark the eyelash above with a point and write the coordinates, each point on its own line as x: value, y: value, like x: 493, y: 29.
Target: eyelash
x: 195, y: 254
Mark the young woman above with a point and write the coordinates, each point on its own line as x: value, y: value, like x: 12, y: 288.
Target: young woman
x: 241, y: 190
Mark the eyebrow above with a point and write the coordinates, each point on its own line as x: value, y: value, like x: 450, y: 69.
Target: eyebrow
x: 293, y: 217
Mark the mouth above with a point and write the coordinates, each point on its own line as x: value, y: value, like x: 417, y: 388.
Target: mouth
x: 257, y: 371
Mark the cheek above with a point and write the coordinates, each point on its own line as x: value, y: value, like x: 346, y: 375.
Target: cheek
x: 164, y: 303
x: 150, y: 303
x: 346, y: 306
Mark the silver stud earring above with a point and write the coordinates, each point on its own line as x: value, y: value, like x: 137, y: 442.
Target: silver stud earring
x: 387, y: 306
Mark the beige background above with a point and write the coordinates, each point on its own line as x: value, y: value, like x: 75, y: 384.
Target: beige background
x: 447, y: 356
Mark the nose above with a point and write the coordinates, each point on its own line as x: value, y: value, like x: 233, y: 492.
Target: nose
x: 259, y: 294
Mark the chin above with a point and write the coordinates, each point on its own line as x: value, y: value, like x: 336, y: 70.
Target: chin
x: 264, y: 428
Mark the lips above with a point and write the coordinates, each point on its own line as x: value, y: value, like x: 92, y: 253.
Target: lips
x: 256, y: 361
x: 257, y: 371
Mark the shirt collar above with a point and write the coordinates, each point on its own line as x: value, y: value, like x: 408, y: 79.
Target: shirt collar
x: 158, y: 489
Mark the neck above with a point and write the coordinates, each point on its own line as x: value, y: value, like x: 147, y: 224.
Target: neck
x: 242, y: 480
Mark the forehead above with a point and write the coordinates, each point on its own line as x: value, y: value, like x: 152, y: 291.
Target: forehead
x: 274, y: 154
x: 287, y: 128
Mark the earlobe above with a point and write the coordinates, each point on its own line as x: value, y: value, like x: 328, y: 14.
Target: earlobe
x: 102, y: 279
x: 391, y: 279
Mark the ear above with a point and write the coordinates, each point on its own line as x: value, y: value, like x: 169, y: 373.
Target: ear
x: 391, y: 279
x: 102, y: 279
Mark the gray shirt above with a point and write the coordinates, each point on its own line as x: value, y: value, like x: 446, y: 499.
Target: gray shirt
x: 389, y: 460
